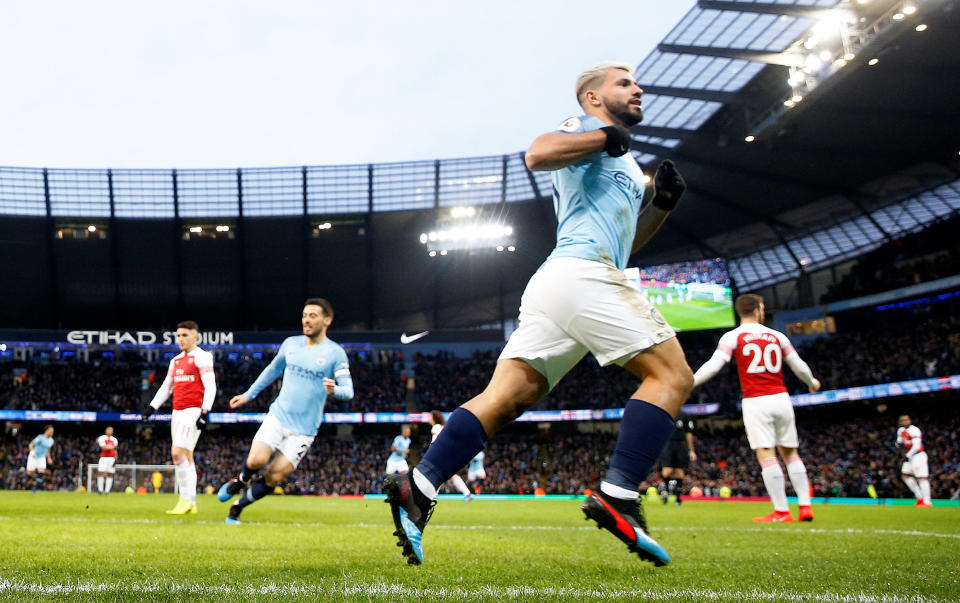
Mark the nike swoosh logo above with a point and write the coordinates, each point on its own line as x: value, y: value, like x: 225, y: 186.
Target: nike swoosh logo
x: 404, y: 338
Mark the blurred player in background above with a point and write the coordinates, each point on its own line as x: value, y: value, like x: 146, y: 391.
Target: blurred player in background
x: 579, y: 301
x: 916, y: 473
x: 399, y: 449
x: 39, y: 456
x: 677, y: 456
x: 108, y: 458
x: 767, y: 411
x: 475, y: 470
x: 437, y: 421
x: 191, y: 380
x: 312, y: 367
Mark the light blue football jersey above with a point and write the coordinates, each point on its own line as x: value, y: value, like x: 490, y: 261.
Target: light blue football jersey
x: 299, y: 405
x: 41, y: 444
x: 400, y: 443
x: 476, y: 463
x: 597, y: 201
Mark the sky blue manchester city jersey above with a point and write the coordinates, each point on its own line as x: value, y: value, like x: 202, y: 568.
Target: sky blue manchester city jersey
x: 597, y: 201
x: 400, y: 443
x: 299, y: 405
x: 476, y: 463
x: 41, y: 444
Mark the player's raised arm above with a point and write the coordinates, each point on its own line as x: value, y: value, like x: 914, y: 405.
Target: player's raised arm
x: 556, y: 150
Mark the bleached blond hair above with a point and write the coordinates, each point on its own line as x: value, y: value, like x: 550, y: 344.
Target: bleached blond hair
x: 592, y: 76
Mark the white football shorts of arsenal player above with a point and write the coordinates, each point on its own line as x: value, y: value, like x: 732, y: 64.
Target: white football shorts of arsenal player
x: 191, y: 379
x: 760, y: 353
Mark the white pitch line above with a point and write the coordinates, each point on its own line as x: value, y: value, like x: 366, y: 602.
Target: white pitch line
x: 397, y: 590
x: 492, y: 528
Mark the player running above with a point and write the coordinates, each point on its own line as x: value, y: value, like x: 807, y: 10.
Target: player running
x: 916, y: 473
x: 437, y: 422
x: 767, y: 412
x: 399, y: 449
x: 108, y: 458
x: 312, y: 367
x: 475, y: 470
x: 191, y: 380
x: 677, y: 456
x: 39, y: 456
x: 578, y: 301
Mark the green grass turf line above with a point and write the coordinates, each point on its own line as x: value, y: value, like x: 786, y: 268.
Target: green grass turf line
x: 72, y: 546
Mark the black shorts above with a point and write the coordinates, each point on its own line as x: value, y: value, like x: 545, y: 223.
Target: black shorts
x: 676, y: 455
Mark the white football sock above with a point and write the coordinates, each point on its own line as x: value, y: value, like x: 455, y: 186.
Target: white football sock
x: 618, y: 491
x: 100, y: 484
x: 925, y: 489
x: 776, y: 485
x: 911, y: 483
x: 109, y: 484
x: 459, y: 485
x: 189, y: 490
x: 180, y: 476
x: 424, y: 485
x: 798, y: 477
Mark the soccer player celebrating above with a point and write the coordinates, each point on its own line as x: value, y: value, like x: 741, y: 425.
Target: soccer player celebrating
x: 39, y: 456
x: 191, y: 380
x: 437, y: 421
x: 916, y: 473
x: 578, y: 301
x: 108, y: 457
x: 399, y: 449
x: 767, y: 412
x: 312, y: 367
x: 677, y: 456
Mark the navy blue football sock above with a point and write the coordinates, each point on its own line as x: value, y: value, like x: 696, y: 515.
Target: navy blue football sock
x: 38, y: 483
x: 644, y: 431
x: 461, y: 439
x: 247, y: 473
x: 257, y: 490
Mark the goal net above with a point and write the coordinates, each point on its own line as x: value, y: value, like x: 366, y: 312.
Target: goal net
x: 153, y: 478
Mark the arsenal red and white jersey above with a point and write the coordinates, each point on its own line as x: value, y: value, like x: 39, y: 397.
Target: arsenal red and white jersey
x: 759, y: 352
x: 185, y: 371
x: 911, y: 439
x: 108, y: 446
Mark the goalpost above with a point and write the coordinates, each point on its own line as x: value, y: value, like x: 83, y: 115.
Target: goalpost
x: 135, y: 476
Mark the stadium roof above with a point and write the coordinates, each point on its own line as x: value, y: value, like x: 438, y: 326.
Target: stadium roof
x: 860, y: 146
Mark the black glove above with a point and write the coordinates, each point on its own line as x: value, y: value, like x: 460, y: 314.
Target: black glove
x: 147, y: 413
x: 668, y: 186
x: 618, y: 140
x: 201, y: 422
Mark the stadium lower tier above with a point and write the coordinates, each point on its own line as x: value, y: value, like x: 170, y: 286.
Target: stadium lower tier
x: 846, y: 448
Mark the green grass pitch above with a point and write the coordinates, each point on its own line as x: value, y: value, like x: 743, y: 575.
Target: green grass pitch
x: 72, y: 546
x: 698, y: 314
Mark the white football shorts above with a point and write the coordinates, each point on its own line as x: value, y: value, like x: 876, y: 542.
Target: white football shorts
x: 105, y: 464
x: 769, y: 421
x: 183, y: 428
x: 400, y: 466
x: 916, y: 466
x: 292, y: 445
x: 572, y: 306
x: 35, y: 462
x: 473, y: 476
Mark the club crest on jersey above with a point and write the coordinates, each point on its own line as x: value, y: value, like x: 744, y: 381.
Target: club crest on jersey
x: 571, y: 125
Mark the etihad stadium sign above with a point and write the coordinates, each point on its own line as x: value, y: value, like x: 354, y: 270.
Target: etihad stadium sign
x: 145, y: 337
